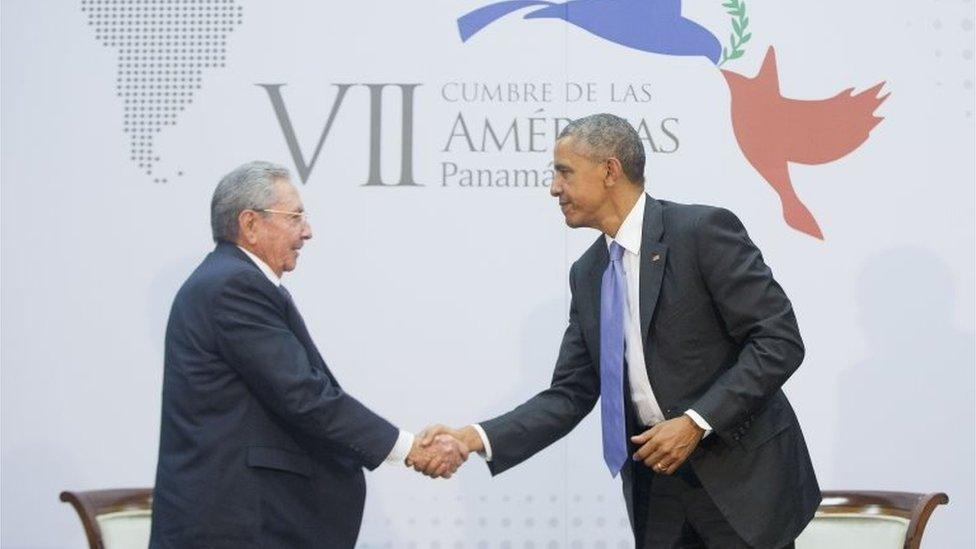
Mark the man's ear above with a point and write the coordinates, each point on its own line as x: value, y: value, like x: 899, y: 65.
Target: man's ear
x: 615, y: 171
x: 247, y: 226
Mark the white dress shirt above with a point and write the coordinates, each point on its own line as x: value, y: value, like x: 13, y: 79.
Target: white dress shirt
x: 645, y: 403
x: 404, y: 441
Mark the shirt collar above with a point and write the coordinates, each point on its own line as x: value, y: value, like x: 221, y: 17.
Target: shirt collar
x: 632, y: 229
x: 263, y: 266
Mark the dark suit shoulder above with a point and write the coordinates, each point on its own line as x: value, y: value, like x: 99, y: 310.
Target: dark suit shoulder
x: 682, y: 226
x: 687, y: 222
x: 680, y: 218
x: 222, y: 271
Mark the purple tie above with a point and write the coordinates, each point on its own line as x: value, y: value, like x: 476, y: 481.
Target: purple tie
x: 612, y: 303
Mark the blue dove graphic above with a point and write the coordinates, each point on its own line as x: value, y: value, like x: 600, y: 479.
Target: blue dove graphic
x: 654, y: 26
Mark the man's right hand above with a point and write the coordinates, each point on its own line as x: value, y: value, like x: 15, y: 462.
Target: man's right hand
x: 440, y: 457
x: 466, y: 435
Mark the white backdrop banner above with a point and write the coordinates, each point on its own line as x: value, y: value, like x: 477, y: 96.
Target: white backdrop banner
x: 421, y: 135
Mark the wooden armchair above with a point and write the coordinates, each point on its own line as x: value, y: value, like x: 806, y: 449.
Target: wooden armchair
x: 114, y: 519
x: 869, y: 520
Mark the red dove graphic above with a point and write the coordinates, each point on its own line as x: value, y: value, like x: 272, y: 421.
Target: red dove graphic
x: 773, y: 130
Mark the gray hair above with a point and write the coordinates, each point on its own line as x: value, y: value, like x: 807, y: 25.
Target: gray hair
x: 248, y: 187
x: 606, y: 135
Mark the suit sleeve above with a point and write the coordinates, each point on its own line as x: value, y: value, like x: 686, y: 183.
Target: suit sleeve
x: 548, y: 416
x: 255, y: 339
x: 757, y: 315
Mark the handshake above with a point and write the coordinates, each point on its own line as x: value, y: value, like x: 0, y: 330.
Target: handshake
x: 438, y: 451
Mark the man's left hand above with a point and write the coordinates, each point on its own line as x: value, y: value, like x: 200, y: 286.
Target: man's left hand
x: 440, y: 458
x: 668, y: 444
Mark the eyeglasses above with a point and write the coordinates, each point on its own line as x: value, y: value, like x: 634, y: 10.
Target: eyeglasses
x: 300, y: 217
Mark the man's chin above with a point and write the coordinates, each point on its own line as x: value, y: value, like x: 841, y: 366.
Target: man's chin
x: 290, y: 265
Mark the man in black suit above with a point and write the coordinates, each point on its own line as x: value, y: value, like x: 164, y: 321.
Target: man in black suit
x: 678, y: 327
x: 259, y: 445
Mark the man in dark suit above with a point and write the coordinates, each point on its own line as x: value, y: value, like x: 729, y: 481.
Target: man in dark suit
x: 678, y: 327
x: 259, y: 445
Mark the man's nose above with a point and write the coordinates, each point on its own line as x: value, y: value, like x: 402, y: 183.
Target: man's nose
x: 556, y: 188
x: 306, y: 230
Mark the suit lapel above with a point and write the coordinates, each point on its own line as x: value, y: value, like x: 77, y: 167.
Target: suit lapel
x: 589, y: 286
x: 297, y: 325
x: 292, y: 316
x: 653, y: 258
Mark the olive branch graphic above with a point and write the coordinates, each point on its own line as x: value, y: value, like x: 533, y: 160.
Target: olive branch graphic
x: 739, y: 36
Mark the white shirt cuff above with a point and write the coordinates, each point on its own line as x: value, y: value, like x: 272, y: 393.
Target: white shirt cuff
x: 401, y: 449
x: 484, y: 439
x: 699, y: 421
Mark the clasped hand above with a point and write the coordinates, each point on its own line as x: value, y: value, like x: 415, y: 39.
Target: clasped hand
x: 438, y: 456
